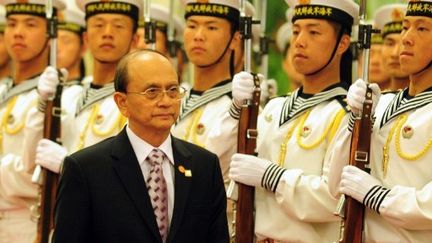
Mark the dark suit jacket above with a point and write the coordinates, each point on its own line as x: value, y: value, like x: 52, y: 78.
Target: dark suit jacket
x: 102, y: 197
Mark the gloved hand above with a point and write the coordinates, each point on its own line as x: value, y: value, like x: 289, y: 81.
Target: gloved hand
x: 242, y: 87
x: 48, y: 82
x: 356, y: 183
x: 50, y: 155
x: 248, y: 169
x: 356, y: 96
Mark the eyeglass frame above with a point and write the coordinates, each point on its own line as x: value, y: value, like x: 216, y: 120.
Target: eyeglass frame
x: 162, y: 91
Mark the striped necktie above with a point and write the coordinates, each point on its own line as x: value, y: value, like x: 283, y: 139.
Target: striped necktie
x: 157, y: 190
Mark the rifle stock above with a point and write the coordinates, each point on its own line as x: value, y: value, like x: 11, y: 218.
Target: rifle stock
x: 247, y: 135
x: 52, y: 131
x: 359, y: 157
x: 48, y: 189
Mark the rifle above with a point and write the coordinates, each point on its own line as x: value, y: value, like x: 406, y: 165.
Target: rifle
x: 172, y: 43
x: 46, y: 179
x: 149, y: 26
x: 352, y: 211
x: 247, y: 135
x: 264, y: 40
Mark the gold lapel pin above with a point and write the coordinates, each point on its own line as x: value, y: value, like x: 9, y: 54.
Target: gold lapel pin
x: 187, y: 173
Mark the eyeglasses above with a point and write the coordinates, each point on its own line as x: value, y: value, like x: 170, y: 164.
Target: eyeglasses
x: 174, y: 92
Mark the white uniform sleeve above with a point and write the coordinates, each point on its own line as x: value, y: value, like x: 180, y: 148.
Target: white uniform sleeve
x: 409, y: 208
x: 15, y: 181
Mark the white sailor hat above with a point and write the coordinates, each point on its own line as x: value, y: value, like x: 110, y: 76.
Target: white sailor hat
x: 160, y: 14
x: 388, y: 18
x: 227, y: 9
x: 131, y: 8
x: 419, y: 8
x: 2, y: 18
x: 71, y: 19
x: 284, y: 32
x: 31, y: 7
x: 345, y: 12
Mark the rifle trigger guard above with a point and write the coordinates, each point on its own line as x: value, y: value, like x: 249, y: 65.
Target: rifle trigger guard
x: 252, y: 134
x: 361, y: 156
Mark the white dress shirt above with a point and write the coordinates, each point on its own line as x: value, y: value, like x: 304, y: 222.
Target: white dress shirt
x: 142, y: 149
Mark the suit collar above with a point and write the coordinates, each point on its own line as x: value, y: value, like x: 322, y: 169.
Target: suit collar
x: 128, y: 170
x: 183, y: 182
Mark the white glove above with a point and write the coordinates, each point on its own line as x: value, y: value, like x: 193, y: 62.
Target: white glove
x: 242, y: 87
x: 248, y: 169
x: 48, y: 82
x: 50, y: 155
x: 356, y: 183
x: 356, y: 96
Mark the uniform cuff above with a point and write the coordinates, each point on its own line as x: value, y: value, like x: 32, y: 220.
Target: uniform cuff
x: 41, y: 106
x: 272, y: 176
x: 234, y: 111
x: 375, y: 197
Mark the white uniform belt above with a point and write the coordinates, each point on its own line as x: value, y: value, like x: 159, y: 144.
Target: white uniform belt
x: 14, y: 213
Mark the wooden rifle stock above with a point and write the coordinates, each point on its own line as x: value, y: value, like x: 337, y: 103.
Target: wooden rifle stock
x: 52, y: 131
x: 359, y: 157
x: 247, y: 135
x: 48, y: 189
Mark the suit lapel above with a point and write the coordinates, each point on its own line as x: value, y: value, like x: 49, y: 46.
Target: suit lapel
x: 182, y: 158
x: 128, y: 170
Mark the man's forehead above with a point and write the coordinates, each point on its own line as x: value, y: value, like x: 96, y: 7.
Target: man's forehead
x: 206, y: 19
x: 393, y: 37
x: 110, y: 17
x: 417, y: 20
x: 24, y: 17
x: 308, y: 22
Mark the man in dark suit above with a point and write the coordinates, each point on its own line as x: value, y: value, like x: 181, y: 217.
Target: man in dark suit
x: 106, y: 190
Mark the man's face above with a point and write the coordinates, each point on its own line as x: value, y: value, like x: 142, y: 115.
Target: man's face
x: 109, y: 36
x: 416, y: 50
x: 4, y: 56
x: 313, y: 41
x: 146, y: 114
x: 289, y: 69
x: 205, y: 39
x: 390, y: 56
x: 70, y: 49
x: 25, y: 37
x: 161, y: 41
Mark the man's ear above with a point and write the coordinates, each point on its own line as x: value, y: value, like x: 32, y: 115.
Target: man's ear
x: 344, y: 44
x: 85, y: 38
x: 236, y: 40
x: 134, y: 41
x: 121, y: 102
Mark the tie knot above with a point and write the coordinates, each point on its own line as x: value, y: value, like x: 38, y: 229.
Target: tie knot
x: 155, y: 157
